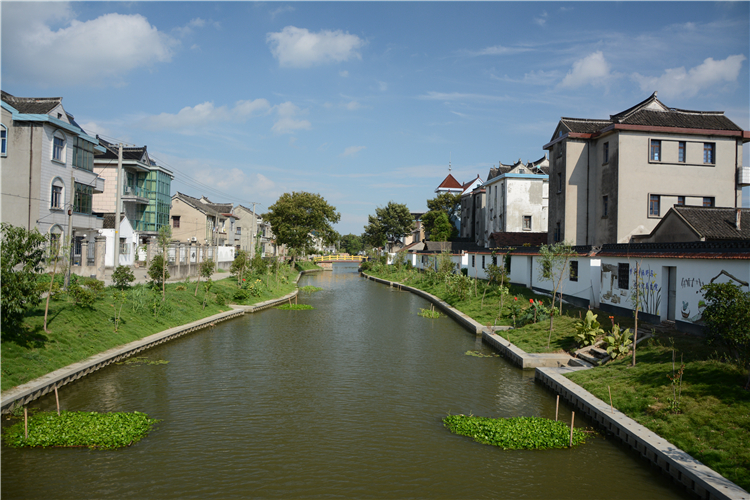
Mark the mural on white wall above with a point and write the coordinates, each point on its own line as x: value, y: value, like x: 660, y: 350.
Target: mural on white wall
x: 694, y: 314
x: 610, y: 292
x: 650, y: 289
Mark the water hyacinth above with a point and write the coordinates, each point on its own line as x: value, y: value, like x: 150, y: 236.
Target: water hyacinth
x: 518, y: 433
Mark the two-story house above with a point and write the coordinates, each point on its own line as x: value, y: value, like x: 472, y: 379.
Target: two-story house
x: 613, y: 179
x: 201, y: 221
x: 517, y: 199
x: 48, y: 178
x: 146, y: 186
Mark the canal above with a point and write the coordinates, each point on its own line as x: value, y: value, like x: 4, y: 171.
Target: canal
x: 345, y: 400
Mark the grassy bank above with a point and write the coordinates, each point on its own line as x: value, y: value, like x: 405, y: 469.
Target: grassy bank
x: 482, y: 303
x: 306, y: 265
x: 707, y: 415
x: 77, y: 332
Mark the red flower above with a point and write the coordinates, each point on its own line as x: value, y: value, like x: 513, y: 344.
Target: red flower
x: 243, y: 279
x: 515, y: 298
x: 531, y: 301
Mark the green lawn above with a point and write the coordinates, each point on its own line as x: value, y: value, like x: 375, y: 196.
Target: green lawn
x: 713, y: 419
x: 76, y: 332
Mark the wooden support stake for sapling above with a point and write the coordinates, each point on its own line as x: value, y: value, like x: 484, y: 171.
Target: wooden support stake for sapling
x: 557, y: 406
x: 25, y: 424
x: 610, y: 399
x: 572, y: 421
x: 57, y: 400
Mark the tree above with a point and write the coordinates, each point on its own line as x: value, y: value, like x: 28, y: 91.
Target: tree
x: 295, y: 216
x: 553, y: 263
x: 122, y: 277
x: 22, y: 254
x: 157, y: 272
x: 207, y: 268
x: 727, y: 319
x: 164, y: 238
x: 351, y: 244
x: 240, y: 265
x: 390, y: 223
x: 438, y: 226
x: 446, y: 202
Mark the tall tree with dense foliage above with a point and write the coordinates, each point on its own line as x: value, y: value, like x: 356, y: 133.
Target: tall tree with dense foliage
x: 295, y: 216
x: 438, y: 226
x: 351, y: 244
x: 390, y: 223
x: 446, y: 202
x: 22, y: 254
x: 727, y: 319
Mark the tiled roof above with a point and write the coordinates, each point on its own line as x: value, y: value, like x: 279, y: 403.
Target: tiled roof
x: 128, y: 153
x: 585, y: 126
x: 715, y: 223
x: 509, y: 239
x: 453, y: 247
x: 450, y: 182
x: 109, y: 220
x: 206, y: 205
x: 32, y: 105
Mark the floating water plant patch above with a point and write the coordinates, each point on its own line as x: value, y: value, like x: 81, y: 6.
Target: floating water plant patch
x: 80, y: 429
x: 518, y: 433
x: 429, y: 313
x: 143, y: 361
x: 310, y: 289
x: 295, y: 307
x: 480, y: 354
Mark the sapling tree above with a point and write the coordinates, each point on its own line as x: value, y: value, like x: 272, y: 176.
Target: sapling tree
x: 553, y: 262
x: 206, y: 271
x: 164, y: 238
x: 240, y: 265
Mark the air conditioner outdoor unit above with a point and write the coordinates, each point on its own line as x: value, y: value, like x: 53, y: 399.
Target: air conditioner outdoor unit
x: 194, y: 238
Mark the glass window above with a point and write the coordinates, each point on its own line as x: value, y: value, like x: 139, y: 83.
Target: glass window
x: 473, y: 261
x: 483, y: 261
x: 623, y: 274
x: 557, y: 232
x: 708, y: 201
x: 3, y: 140
x: 58, y: 146
x: 56, y: 200
x: 559, y: 182
x: 605, y: 153
x: 680, y: 200
x: 573, y: 270
x: 527, y: 223
x: 605, y: 205
x: 708, y: 152
x: 83, y: 199
x: 176, y: 221
x: 655, y: 154
x: 653, y: 205
x: 681, y: 152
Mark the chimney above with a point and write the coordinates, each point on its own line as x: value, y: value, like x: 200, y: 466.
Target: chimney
x: 737, y: 217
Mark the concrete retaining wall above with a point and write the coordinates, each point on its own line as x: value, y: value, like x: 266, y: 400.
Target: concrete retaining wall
x: 684, y: 469
x: 526, y: 360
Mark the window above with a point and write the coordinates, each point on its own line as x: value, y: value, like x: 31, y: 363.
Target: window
x: 708, y: 152
x: 708, y: 201
x: 605, y: 153
x: 559, y: 182
x: 3, y: 140
x: 605, y: 205
x: 573, y: 270
x: 473, y: 261
x: 57, y: 194
x: 239, y: 231
x: 680, y: 200
x: 681, y: 152
x: 623, y: 274
x: 507, y: 264
x: 58, y: 148
x: 527, y: 223
x: 557, y: 232
x: 83, y: 197
x: 655, y: 152
x: 653, y: 205
x: 483, y: 261
x: 176, y: 221
x: 83, y: 155
x: 494, y: 260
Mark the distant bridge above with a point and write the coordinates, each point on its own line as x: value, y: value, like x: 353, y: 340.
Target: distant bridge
x: 339, y: 258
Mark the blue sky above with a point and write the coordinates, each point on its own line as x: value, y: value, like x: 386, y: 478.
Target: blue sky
x: 364, y: 103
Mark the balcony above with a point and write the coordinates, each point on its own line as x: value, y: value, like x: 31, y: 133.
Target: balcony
x: 135, y: 194
x: 743, y: 175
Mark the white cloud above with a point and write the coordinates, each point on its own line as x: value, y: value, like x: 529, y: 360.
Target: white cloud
x: 457, y: 96
x: 93, y: 128
x: 351, y: 151
x: 299, y: 48
x: 193, y: 118
x: 353, y: 106
x: 98, y: 51
x: 382, y: 86
x: 287, y: 121
x: 677, y: 82
x: 540, y: 77
x: 495, y: 50
x: 542, y: 19
x: 281, y: 10
x: 188, y: 28
x: 343, y: 73
x: 592, y: 69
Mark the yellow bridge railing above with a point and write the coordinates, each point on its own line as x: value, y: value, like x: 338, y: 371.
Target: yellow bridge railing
x: 339, y: 258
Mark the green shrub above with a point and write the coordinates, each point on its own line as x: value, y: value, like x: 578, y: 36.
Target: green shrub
x: 241, y: 295
x: 122, y: 277
x: 221, y: 299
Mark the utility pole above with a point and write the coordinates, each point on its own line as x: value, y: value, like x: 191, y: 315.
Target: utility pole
x: 117, y: 207
x: 70, y: 228
x: 252, y: 232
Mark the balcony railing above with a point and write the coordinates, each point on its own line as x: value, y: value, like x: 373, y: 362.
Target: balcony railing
x: 134, y: 191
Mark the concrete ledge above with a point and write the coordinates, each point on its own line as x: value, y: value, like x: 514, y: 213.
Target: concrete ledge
x: 526, y: 360
x: 25, y: 393
x: 461, y: 318
x: 684, y: 469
